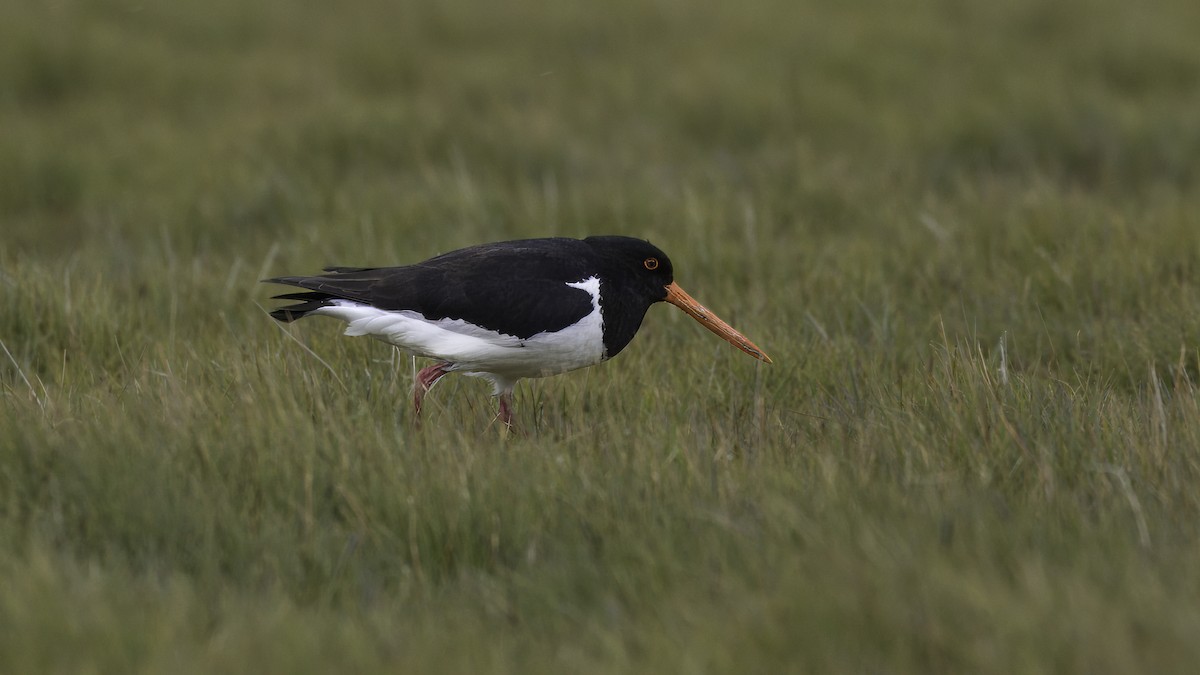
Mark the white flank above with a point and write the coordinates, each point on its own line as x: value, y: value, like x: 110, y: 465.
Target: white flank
x: 479, y: 352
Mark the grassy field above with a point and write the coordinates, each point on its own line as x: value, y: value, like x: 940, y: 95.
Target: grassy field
x: 967, y: 232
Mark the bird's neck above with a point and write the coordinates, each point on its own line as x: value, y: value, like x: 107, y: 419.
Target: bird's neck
x: 621, y: 312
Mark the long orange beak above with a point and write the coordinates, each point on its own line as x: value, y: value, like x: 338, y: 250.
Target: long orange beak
x: 699, y: 312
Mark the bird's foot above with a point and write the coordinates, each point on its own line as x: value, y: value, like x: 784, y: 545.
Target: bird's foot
x: 426, y: 378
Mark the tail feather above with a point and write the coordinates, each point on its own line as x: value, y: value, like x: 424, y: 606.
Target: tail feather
x: 340, y: 282
x: 308, y: 303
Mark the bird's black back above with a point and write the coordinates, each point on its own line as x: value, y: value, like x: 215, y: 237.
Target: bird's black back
x: 515, y: 287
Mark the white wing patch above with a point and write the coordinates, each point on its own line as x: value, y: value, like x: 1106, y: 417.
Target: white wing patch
x: 480, y: 352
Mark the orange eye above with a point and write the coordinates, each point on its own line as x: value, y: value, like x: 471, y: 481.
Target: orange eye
x: 650, y: 263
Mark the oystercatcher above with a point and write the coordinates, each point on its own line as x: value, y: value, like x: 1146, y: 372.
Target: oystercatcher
x: 507, y: 310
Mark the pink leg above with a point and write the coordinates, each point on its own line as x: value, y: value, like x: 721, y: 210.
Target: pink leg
x: 425, y: 380
x: 505, y: 415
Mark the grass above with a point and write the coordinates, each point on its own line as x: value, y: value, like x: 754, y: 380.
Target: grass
x: 966, y: 233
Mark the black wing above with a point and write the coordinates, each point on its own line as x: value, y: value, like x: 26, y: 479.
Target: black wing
x: 517, y: 288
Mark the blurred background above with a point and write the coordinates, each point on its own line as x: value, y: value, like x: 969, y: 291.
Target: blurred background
x: 390, y: 130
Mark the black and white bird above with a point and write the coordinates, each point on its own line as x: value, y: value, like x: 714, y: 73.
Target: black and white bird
x: 508, y: 310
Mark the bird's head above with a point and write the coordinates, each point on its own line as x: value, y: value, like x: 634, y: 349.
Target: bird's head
x: 637, y: 265
x: 645, y: 270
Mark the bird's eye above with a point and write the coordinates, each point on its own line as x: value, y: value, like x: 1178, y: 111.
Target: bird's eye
x: 650, y: 263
